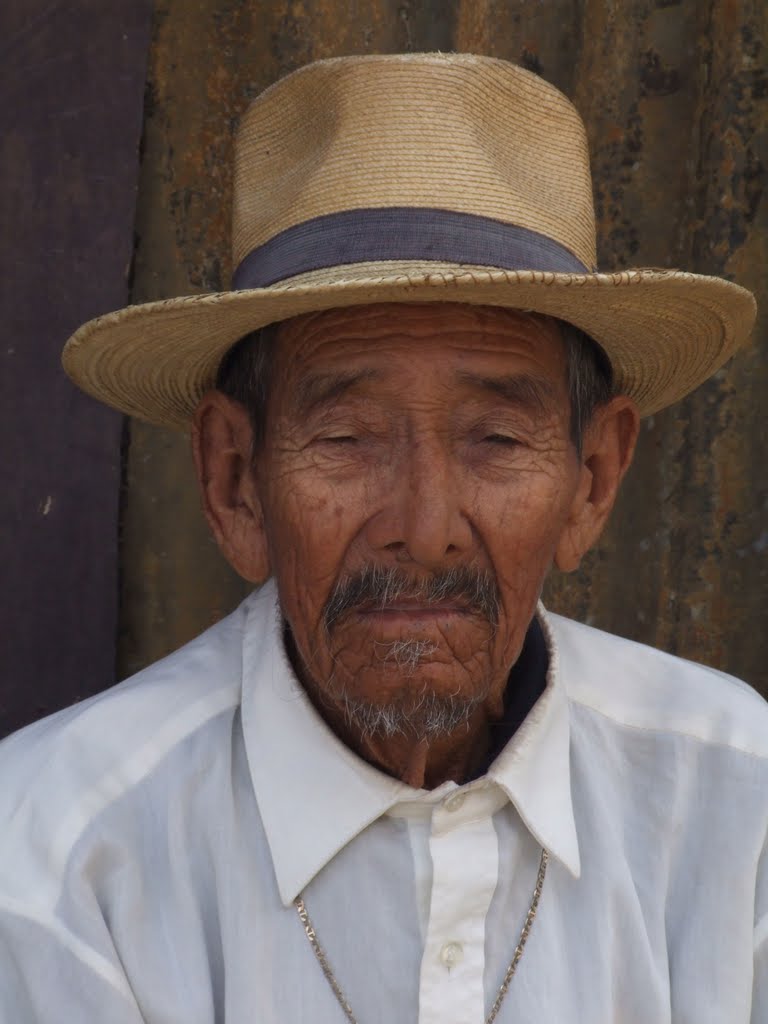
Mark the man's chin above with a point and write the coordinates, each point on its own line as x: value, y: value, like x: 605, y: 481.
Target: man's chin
x: 429, y: 715
x: 414, y: 691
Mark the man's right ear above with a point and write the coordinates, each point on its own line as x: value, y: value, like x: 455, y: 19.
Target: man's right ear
x: 222, y: 448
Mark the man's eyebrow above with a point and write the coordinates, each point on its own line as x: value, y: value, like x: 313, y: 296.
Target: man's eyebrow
x: 319, y: 389
x: 523, y: 389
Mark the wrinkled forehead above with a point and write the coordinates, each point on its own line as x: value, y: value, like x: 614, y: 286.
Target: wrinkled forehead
x: 397, y: 335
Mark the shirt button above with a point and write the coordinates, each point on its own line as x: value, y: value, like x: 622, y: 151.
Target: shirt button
x: 455, y: 801
x: 451, y: 954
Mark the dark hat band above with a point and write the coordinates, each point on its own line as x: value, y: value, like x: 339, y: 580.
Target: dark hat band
x: 401, y: 233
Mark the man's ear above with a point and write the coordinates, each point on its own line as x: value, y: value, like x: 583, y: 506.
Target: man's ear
x: 222, y: 448
x: 609, y: 444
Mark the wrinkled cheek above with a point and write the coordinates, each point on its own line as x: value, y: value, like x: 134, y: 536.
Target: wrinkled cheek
x: 531, y: 513
x: 522, y: 550
x: 522, y: 566
x: 297, y: 572
x: 308, y: 532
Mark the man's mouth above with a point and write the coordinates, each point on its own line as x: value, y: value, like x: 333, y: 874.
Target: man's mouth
x: 413, y: 610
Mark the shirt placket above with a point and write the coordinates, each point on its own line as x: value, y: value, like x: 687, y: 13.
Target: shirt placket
x: 465, y: 862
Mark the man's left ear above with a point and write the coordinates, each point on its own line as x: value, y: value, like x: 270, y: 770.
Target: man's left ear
x: 222, y: 447
x: 607, y: 450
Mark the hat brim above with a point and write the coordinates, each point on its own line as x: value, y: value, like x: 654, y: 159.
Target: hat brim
x: 665, y: 332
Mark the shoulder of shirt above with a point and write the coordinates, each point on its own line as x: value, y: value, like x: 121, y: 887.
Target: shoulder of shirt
x: 643, y: 688
x: 81, y: 759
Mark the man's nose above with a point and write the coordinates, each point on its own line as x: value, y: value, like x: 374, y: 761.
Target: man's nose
x: 423, y: 519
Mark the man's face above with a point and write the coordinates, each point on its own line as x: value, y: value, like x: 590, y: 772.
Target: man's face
x: 408, y: 446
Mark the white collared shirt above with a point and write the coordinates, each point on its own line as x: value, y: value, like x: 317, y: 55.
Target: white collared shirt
x: 153, y: 839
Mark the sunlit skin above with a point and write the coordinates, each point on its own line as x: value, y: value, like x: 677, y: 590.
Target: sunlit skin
x: 422, y: 436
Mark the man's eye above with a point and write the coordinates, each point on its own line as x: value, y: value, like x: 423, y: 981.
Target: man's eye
x: 339, y: 439
x: 503, y: 439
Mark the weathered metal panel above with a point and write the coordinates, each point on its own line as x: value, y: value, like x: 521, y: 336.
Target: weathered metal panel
x: 673, y: 94
x: 672, y: 98
x: 70, y: 121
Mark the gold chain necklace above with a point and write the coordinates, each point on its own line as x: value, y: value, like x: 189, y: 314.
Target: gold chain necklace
x: 331, y: 978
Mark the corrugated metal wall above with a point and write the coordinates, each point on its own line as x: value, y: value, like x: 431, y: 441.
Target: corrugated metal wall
x: 675, y: 96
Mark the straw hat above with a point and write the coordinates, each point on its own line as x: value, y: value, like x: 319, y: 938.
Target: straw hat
x: 413, y: 178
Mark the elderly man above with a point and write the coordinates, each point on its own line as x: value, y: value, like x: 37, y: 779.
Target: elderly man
x: 391, y: 786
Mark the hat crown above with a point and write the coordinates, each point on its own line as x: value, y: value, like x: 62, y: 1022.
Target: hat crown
x: 419, y: 178
x: 471, y: 135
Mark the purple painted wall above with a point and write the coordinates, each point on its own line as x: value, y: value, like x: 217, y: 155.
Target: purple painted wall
x: 71, y: 104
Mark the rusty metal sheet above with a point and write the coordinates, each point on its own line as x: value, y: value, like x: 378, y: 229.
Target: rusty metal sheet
x: 70, y: 122
x: 673, y: 96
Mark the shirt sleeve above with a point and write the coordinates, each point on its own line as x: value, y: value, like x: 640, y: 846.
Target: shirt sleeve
x: 47, y: 976
x: 760, y: 984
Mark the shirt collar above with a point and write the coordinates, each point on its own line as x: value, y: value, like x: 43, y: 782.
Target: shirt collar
x: 534, y: 769
x: 315, y: 795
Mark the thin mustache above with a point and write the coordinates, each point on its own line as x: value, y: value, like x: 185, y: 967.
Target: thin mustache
x: 380, y: 588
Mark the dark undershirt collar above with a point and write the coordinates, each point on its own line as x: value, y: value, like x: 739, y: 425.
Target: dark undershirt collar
x: 526, y: 683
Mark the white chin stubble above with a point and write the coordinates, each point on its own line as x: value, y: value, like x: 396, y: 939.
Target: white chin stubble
x: 426, y: 716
